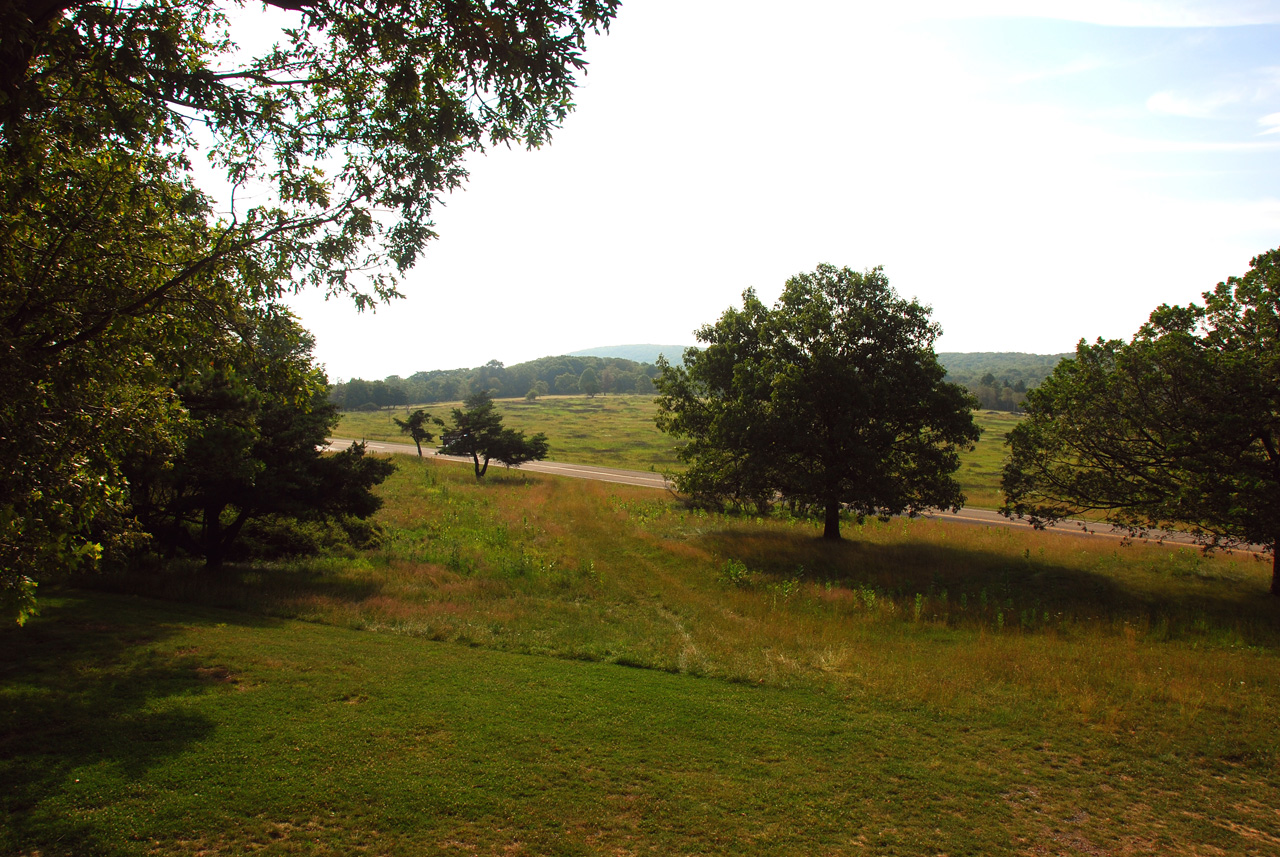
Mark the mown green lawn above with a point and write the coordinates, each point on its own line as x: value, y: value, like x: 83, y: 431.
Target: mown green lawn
x: 533, y: 665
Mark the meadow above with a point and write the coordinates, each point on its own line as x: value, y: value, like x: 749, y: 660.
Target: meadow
x: 535, y: 665
x: 618, y: 431
x: 610, y: 431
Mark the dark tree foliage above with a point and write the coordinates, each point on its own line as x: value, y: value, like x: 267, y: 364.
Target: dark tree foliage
x: 259, y: 415
x: 392, y: 94
x: 477, y: 432
x: 832, y: 399
x: 1177, y: 429
x: 336, y: 144
x: 92, y: 241
x: 416, y: 427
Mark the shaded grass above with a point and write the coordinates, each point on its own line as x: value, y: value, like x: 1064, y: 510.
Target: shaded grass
x: 924, y: 687
x: 304, y: 738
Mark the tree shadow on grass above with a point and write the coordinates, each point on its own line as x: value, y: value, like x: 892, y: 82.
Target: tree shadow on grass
x: 499, y: 475
x: 82, y: 688
x: 252, y: 587
x: 1172, y: 597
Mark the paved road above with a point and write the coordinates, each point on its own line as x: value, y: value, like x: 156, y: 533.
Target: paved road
x: 977, y: 517
x: 557, y: 468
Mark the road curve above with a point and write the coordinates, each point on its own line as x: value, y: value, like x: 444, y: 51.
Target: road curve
x: 976, y: 517
x: 555, y: 468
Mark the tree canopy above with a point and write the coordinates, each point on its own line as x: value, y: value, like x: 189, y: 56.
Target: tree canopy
x: 1179, y: 428
x: 832, y: 399
x: 416, y: 427
x: 588, y: 384
x: 116, y: 268
x: 358, y: 108
x: 257, y: 414
x: 477, y: 432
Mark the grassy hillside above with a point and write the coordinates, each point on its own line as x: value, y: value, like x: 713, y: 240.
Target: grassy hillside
x: 618, y: 431
x: 544, y: 666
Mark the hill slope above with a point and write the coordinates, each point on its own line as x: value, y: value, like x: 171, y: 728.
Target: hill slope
x: 638, y: 353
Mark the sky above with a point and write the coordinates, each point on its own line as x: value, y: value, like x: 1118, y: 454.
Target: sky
x: 1036, y: 172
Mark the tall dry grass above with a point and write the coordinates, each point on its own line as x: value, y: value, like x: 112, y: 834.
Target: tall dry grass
x: 1150, y: 639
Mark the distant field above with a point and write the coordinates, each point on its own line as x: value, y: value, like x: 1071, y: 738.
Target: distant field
x: 611, y: 431
x: 979, y: 472
x: 618, y: 431
x: 534, y: 665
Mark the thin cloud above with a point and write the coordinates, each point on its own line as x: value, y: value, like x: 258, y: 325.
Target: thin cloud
x: 1114, y: 13
x: 1171, y: 104
x: 1082, y: 65
x: 1271, y: 122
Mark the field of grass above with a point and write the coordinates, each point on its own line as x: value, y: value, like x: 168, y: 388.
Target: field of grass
x: 534, y: 665
x: 979, y: 473
x: 618, y: 431
x: 610, y: 431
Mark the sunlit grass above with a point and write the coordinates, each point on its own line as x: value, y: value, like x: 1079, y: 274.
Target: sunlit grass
x: 611, y: 431
x: 619, y: 431
x: 922, y: 687
x: 979, y: 473
x: 591, y: 570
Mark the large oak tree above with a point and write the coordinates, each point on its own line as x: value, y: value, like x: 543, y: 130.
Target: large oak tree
x: 336, y: 145
x: 832, y: 399
x: 1179, y: 428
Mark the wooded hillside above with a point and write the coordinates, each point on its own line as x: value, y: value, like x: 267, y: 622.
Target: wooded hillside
x: 999, y: 379
x: 546, y: 375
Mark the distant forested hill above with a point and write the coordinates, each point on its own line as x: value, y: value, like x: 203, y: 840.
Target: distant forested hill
x: 1000, y: 379
x: 546, y: 375
x: 638, y: 353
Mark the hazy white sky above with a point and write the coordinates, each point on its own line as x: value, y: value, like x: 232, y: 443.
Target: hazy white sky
x: 1036, y: 177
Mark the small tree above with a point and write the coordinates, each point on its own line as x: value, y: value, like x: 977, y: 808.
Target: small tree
x: 258, y: 415
x: 566, y: 384
x: 478, y: 432
x: 587, y: 383
x: 416, y: 427
x: 834, y: 399
x: 1178, y: 428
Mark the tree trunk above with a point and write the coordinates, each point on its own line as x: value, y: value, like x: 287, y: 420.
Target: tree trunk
x: 1275, y: 568
x: 218, y: 542
x: 211, y: 535
x: 831, y: 529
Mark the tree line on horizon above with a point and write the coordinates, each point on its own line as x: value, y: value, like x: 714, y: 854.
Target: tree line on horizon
x: 562, y: 375
x: 998, y: 380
